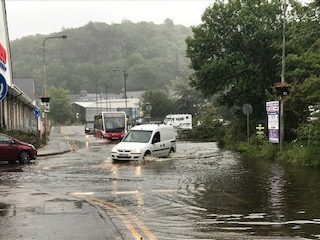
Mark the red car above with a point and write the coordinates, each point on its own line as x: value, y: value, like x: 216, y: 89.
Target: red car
x: 13, y: 150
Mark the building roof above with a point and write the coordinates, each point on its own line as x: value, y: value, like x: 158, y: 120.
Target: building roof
x: 111, y: 103
x: 93, y: 97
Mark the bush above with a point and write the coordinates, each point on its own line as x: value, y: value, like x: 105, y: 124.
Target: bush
x: 28, y: 137
x: 300, y: 155
x: 208, y: 132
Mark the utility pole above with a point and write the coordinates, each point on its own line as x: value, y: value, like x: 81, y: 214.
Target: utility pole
x: 106, y: 97
x: 125, y: 75
x: 97, y: 100
x: 283, y: 66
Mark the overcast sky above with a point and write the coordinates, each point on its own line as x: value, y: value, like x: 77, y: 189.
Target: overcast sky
x: 44, y: 17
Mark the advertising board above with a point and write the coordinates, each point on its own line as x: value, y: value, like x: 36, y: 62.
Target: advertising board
x: 273, y: 121
x: 5, y: 62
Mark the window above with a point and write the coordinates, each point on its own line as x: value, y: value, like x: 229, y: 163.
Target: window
x: 156, y: 137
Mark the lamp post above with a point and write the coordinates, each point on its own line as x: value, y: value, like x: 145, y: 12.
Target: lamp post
x: 283, y: 66
x: 125, y: 75
x: 45, y: 99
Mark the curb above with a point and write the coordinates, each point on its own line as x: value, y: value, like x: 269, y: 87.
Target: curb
x: 54, y: 153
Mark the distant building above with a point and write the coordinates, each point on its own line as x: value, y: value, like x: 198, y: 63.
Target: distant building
x: 89, y: 104
x: 87, y: 110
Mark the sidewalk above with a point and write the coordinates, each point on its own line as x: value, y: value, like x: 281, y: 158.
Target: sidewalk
x: 56, y: 144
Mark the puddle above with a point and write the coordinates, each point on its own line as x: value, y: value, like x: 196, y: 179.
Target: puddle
x: 4, y: 209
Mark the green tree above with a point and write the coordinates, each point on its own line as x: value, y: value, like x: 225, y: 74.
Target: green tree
x: 60, y: 107
x: 303, y: 64
x: 161, y: 103
x: 188, y: 99
x: 232, y: 51
x: 85, y: 60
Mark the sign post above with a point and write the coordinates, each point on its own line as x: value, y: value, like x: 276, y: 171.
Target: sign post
x: 247, y: 110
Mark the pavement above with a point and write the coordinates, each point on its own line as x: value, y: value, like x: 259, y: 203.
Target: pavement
x: 48, y: 216
x: 56, y: 144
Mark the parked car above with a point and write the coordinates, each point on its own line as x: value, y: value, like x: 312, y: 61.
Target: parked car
x: 13, y: 150
x: 144, y: 140
x: 89, y: 128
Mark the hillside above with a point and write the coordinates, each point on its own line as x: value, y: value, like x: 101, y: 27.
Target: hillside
x: 152, y: 55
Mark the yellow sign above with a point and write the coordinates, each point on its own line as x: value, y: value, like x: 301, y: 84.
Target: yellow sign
x: 260, y: 130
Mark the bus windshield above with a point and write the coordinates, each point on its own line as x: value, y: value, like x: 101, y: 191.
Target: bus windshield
x: 114, y: 124
x: 138, y: 136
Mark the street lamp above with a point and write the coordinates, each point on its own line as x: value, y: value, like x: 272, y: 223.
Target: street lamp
x: 125, y: 75
x: 44, y: 59
x: 45, y: 99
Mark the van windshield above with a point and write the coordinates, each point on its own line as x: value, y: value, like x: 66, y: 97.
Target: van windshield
x: 140, y: 136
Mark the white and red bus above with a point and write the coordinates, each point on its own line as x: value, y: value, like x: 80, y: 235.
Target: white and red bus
x: 110, y: 125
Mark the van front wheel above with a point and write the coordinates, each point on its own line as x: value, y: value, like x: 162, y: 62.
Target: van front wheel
x: 170, y: 152
x: 146, y: 154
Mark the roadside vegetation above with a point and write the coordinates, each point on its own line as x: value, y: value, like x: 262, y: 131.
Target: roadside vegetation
x: 236, y: 55
x: 28, y: 137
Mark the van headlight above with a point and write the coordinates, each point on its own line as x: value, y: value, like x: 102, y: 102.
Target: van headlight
x: 136, y: 151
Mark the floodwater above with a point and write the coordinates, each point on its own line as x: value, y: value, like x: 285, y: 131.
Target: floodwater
x: 201, y: 192
x: 205, y: 193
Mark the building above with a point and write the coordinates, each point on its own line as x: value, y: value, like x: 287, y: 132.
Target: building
x: 16, y: 107
x: 86, y: 110
x: 86, y: 105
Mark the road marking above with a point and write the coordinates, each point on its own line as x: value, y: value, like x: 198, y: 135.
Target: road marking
x: 82, y: 194
x: 127, y: 219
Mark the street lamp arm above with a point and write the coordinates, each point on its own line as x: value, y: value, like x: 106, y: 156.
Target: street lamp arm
x: 47, y: 38
x: 44, y: 58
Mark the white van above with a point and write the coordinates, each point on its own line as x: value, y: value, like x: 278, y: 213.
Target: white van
x: 143, y: 140
x: 179, y: 121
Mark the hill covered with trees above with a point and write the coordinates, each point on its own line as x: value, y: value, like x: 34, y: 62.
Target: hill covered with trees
x: 152, y: 54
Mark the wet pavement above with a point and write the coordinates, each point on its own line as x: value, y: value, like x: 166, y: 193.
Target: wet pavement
x: 201, y: 192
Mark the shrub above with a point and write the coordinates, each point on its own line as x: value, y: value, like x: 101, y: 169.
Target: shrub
x: 28, y: 137
x: 300, y: 155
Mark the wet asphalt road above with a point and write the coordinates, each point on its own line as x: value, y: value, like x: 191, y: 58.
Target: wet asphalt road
x: 201, y: 192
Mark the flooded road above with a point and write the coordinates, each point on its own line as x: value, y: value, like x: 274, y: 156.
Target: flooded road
x: 201, y: 192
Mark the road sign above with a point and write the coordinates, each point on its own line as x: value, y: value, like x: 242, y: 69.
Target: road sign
x: 36, y: 112
x: 46, y: 107
x: 148, y: 107
x: 3, y: 87
x: 260, y: 131
x: 247, y: 108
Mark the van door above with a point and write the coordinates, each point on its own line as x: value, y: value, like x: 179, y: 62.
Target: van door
x: 157, y: 145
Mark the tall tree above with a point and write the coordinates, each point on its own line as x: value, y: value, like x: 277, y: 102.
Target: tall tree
x: 188, y: 99
x: 232, y: 51
x: 161, y: 103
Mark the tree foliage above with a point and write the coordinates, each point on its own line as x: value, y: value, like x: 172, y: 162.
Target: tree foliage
x: 187, y: 99
x: 232, y: 51
x: 60, y: 107
x: 160, y: 102
x: 236, y: 54
x: 85, y: 60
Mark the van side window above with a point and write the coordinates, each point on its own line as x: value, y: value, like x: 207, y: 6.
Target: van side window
x: 156, y: 137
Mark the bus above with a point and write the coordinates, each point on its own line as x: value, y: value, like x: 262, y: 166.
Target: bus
x: 110, y: 125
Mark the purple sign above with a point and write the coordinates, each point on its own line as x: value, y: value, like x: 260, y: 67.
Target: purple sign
x: 274, y: 135
x: 273, y: 121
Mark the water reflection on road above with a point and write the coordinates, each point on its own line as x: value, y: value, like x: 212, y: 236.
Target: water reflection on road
x: 202, y: 192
